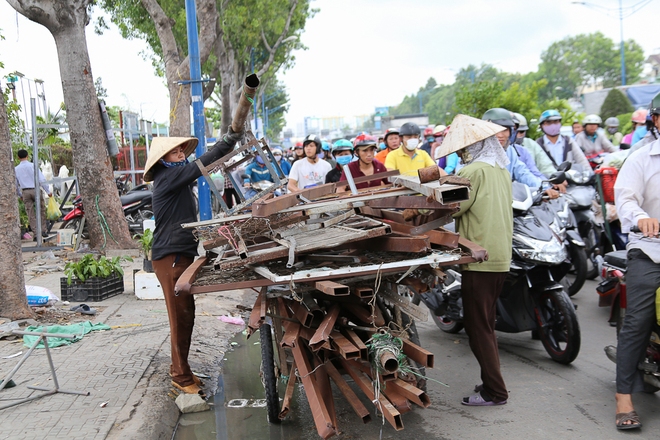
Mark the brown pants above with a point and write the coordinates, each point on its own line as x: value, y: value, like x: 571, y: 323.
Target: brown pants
x: 480, y: 291
x: 29, y: 200
x: 181, y: 312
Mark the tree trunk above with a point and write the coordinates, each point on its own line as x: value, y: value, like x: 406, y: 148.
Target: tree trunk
x: 66, y: 21
x: 13, y: 302
x: 180, y: 99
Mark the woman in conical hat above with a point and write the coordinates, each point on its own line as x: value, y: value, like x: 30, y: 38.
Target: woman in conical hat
x: 175, y: 248
x: 486, y: 219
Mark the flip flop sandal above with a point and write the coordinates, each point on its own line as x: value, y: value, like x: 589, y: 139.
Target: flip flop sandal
x: 86, y: 310
x: 622, y: 418
x: 197, y: 380
x: 75, y: 308
x: 190, y: 389
x: 478, y: 400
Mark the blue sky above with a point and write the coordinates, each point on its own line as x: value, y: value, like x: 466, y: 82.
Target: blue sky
x: 362, y: 53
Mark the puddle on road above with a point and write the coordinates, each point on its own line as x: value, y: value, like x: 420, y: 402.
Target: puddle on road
x: 239, y: 411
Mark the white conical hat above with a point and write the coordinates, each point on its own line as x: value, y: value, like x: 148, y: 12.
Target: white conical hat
x: 160, y: 146
x: 466, y: 130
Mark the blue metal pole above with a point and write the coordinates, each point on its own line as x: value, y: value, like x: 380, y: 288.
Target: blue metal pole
x: 623, y: 55
x: 203, y: 190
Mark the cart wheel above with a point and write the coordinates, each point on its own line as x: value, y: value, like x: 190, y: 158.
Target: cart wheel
x: 268, y: 375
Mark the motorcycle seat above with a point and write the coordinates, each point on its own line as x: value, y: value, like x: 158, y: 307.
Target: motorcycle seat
x: 134, y: 197
x: 617, y: 258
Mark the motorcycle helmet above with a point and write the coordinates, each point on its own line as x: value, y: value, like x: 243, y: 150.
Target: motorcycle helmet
x: 325, y: 146
x: 342, y: 145
x: 592, y: 119
x: 409, y: 129
x: 365, y: 140
x: 522, y: 122
x: 639, y: 115
x: 439, y: 130
x: 549, y: 115
x: 499, y: 116
x: 654, y: 108
x: 389, y: 132
x: 315, y: 139
x: 428, y: 131
x: 612, y: 122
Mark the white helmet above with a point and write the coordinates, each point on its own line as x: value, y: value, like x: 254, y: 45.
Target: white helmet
x: 592, y: 119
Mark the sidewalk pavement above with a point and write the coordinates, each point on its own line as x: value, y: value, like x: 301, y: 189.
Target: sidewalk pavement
x: 125, y: 370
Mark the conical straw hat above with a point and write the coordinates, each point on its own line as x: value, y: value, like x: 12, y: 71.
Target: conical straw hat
x: 163, y: 145
x: 466, y: 130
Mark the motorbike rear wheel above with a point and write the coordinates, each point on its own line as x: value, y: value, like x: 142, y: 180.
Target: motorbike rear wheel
x: 578, y: 273
x: 561, y: 333
x: 590, y: 245
x: 445, y: 324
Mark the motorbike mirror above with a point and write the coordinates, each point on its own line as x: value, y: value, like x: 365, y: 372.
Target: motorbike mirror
x: 557, y: 177
x: 564, y: 166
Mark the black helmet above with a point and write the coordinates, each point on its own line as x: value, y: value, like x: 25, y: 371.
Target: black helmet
x: 654, y: 108
x: 316, y: 140
x: 409, y: 129
x: 499, y: 116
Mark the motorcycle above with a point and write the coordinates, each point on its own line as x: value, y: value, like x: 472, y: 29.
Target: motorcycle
x: 612, y: 293
x: 136, y: 205
x: 581, y: 193
x: 531, y: 299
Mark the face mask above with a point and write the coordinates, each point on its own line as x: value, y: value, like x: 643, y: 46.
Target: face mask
x: 411, y: 144
x: 321, y: 154
x: 277, y: 157
x: 430, y: 139
x: 552, y: 129
x: 260, y: 160
x: 612, y: 130
x: 343, y: 160
x: 520, y: 140
x: 381, y: 146
x: 465, y: 155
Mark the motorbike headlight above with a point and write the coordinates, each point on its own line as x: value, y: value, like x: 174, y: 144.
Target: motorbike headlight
x: 552, y: 251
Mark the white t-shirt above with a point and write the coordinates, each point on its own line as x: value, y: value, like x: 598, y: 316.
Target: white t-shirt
x: 309, y: 174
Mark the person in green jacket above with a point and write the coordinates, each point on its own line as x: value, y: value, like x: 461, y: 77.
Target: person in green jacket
x: 487, y: 220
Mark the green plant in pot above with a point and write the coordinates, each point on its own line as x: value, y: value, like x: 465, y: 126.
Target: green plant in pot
x: 146, y: 241
x: 93, y: 279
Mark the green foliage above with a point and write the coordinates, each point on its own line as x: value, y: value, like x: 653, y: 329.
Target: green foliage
x: 625, y: 123
x: 615, y: 103
x: 22, y: 213
x: 146, y: 241
x: 90, y: 267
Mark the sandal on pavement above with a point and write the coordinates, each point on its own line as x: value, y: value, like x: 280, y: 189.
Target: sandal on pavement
x: 622, y: 418
x: 478, y: 400
x: 189, y: 389
x: 86, y: 310
x: 197, y: 380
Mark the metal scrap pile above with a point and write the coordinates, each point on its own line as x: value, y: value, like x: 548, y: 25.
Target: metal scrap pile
x: 338, y: 272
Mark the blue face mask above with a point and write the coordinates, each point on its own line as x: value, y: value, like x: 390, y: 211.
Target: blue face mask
x: 321, y: 155
x: 260, y: 160
x: 343, y: 160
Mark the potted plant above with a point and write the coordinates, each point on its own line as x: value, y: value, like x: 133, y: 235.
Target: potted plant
x: 146, y: 241
x: 93, y: 279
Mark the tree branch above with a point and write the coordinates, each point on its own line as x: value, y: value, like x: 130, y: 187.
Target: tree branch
x: 278, y: 43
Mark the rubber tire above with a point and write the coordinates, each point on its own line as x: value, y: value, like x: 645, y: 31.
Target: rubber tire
x: 579, y: 261
x: 558, y: 311
x: 269, y: 377
x: 73, y: 224
x: 451, y: 327
x: 589, y: 239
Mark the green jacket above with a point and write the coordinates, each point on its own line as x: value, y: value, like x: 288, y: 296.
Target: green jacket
x: 487, y: 217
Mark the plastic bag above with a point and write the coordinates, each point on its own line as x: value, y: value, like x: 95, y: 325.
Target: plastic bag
x: 52, y: 210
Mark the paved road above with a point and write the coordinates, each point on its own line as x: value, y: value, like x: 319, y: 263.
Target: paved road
x: 547, y: 400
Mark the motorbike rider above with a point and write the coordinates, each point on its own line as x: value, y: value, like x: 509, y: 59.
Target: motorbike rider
x: 257, y: 171
x: 541, y: 159
x: 409, y: 158
x: 652, y: 133
x: 590, y: 140
x: 366, y: 165
x: 638, y: 119
x: 447, y: 163
x: 638, y: 204
x: 486, y: 219
x: 285, y: 166
x: 311, y: 170
x: 343, y: 152
x: 519, y: 164
x: 298, y: 152
x: 175, y: 248
x: 392, y: 142
x: 326, y: 153
x: 557, y: 147
x: 576, y: 128
x: 429, y: 138
x: 613, y: 133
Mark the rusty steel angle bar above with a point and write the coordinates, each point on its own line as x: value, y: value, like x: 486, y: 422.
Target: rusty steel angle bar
x: 417, y: 353
x: 348, y: 393
x: 257, y: 314
x: 391, y: 414
x: 323, y: 384
x: 444, y: 194
x: 316, y: 400
x: 421, y: 229
x: 345, y: 347
x: 359, y: 344
x: 324, y: 329
x: 411, y: 392
x: 288, y: 393
x: 408, y: 202
x: 440, y: 237
x: 185, y: 282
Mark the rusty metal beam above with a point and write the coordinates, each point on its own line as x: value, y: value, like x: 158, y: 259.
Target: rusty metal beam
x: 302, y: 314
x: 393, y: 243
x: 391, y: 414
x: 410, y: 392
x: 322, y: 418
x: 355, y: 339
x: 185, y: 282
x: 440, y: 237
x: 477, y: 252
x: 364, y: 315
x: 332, y: 288
x: 288, y: 393
x: 363, y: 292
x: 408, y: 202
x: 345, y: 347
x: 323, y: 383
x: 348, y: 393
x: 324, y: 329
x: 291, y: 335
x: 259, y: 256
x: 223, y: 287
x: 258, y: 312
x: 399, y: 401
x: 417, y: 353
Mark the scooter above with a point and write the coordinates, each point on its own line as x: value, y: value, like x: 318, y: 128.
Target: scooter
x: 136, y: 205
x: 531, y: 299
x: 612, y: 293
